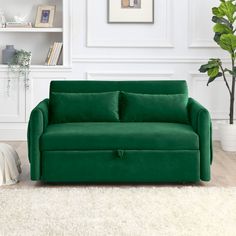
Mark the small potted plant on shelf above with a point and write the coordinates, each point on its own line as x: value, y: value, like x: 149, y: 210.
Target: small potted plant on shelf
x: 224, y: 18
x: 19, y: 66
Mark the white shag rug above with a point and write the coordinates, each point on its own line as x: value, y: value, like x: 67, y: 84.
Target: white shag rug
x: 146, y: 211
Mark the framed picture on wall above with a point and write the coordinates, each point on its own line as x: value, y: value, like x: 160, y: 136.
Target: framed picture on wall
x: 131, y: 11
x: 45, y: 16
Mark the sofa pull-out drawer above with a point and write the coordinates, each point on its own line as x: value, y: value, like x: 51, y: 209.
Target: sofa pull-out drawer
x: 123, y: 166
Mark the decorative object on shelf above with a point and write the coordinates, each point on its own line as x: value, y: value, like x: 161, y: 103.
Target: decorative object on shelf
x: 18, y: 24
x: 54, y: 54
x: 7, y: 54
x: 19, y: 66
x: 45, y: 16
x: 20, y: 19
x: 225, y: 37
x: 2, y: 19
x: 10, y: 165
x: 131, y: 11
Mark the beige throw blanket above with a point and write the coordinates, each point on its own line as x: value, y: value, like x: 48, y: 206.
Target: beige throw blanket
x: 10, y: 165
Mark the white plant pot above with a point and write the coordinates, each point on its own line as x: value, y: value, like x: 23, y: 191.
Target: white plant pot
x: 228, y: 137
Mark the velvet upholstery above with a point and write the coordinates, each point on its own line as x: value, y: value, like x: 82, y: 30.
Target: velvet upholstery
x: 119, y: 135
x: 154, y: 108
x: 134, y: 166
x: 146, y: 87
x: 125, y: 152
x: 201, y: 123
x: 36, y: 126
x: 84, y: 107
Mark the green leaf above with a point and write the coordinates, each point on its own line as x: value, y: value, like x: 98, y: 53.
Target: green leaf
x: 216, y: 12
x: 226, y: 9
x: 227, y: 70
x: 212, y: 63
x: 222, y: 29
x: 211, y: 79
x: 206, y: 67
x: 213, y: 72
x: 203, y: 68
x: 212, y: 68
x: 217, y: 37
x: 221, y: 20
x: 228, y: 42
x: 233, y: 73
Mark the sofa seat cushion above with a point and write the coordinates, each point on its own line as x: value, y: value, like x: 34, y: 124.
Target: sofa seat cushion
x: 119, y: 136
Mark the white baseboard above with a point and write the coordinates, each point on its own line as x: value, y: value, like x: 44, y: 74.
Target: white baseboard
x: 215, y: 134
x: 13, y: 132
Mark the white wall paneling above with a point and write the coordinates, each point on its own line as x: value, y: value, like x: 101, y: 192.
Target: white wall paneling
x: 12, y: 100
x: 128, y: 76
x: 102, y: 34
x: 13, y: 131
x: 200, y: 26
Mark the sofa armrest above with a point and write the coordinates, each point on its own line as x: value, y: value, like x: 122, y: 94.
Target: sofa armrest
x: 37, y: 124
x: 200, y: 120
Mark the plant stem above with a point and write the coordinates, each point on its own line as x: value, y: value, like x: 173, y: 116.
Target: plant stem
x: 231, y: 114
x: 226, y: 82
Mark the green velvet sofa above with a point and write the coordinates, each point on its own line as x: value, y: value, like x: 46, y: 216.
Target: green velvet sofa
x: 119, y: 132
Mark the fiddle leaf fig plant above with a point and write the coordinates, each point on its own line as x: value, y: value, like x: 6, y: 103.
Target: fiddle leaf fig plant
x: 224, y: 17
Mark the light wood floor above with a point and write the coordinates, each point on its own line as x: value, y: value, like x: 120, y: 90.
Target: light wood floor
x: 223, y: 169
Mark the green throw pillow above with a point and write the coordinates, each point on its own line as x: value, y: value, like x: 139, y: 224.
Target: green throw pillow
x: 154, y: 108
x: 84, y: 107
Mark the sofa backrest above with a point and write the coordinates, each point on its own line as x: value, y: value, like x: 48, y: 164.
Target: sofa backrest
x: 114, y: 101
x: 146, y: 87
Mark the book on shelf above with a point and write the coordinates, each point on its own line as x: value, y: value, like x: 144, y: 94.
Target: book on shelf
x: 54, y: 54
x: 18, y: 25
x: 48, y: 55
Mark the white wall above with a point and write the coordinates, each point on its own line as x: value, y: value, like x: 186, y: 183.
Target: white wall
x: 172, y: 48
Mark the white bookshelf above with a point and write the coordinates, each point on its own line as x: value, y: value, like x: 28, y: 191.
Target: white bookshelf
x: 16, y: 107
x: 36, y: 40
x: 31, y: 30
